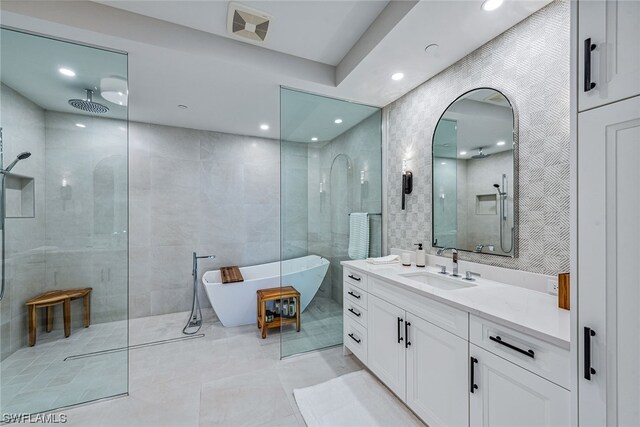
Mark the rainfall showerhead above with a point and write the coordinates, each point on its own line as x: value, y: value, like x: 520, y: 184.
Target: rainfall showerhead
x: 88, y: 105
x: 21, y: 156
x: 480, y: 154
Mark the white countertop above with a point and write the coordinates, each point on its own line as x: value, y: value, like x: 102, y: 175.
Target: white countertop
x: 531, y: 312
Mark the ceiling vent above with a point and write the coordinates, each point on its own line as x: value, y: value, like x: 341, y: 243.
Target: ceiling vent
x: 247, y: 24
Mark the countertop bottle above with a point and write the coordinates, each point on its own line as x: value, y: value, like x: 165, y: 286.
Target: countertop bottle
x: 421, y: 258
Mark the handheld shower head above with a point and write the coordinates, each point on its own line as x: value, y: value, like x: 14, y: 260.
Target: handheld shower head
x: 21, y: 156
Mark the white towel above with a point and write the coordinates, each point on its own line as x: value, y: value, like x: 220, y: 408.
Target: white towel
x: 389, y: 259
x: 358, y: 235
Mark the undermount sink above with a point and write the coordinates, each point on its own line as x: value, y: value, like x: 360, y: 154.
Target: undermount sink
x: 429, y: 279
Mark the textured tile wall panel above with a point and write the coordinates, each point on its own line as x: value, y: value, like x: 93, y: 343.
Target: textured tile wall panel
x: 529, y: 63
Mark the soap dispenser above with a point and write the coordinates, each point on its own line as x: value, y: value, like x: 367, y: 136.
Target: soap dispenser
x: 420, y: 256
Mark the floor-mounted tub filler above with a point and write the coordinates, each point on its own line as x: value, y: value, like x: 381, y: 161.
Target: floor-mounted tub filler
x: 195, y: 318
x: 235, y: 303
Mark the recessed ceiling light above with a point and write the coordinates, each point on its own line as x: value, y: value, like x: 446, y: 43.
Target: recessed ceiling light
x: 67, y: 72
x: 397, y: 76
x: 184, y: 107
x: 490, y: 5
x: 337, y: 121
x: 264, y: 126
x: 500, y: 143
x: 431, y: 48
x: 462, y: 153
x: 443, y: 163
x: 80, y: 125
x: 314, y: 139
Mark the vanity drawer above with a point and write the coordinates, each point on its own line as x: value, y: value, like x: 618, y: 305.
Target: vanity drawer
x: 355, y: 278
x: 355, y: 295
x: 355, y: 312
x: 355, y: 339
x: 540, y: 357
x: 444, y: 316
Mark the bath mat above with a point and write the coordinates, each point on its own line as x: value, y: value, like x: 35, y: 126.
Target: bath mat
x: 231, y: 274
x: 355, y: 399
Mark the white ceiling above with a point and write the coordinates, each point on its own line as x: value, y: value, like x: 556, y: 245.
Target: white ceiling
x: 30, y: 66
x: 186, y: 57
x: 317, y: 30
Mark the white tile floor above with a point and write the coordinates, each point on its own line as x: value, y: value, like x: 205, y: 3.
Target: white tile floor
x: 229, y: 377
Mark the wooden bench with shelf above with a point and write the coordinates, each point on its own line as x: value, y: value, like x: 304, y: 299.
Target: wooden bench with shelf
x: 274, y: 294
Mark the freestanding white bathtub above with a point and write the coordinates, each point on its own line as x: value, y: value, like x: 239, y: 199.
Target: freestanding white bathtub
x: 235, y: 303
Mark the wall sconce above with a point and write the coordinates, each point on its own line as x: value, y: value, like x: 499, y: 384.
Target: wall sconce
x: 407, y: 182
x: 364, y: 186
x: 65, y: 193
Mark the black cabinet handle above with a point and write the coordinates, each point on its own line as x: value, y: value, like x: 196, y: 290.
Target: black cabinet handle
x: 353, y: 295
x: 357, y: 279
x: 407, y: 343
x: 355, y: 339
x: 355, y: 312
x: 473, y: 387
x: 588, y: 48
x: 588, y: 370
x: 497, y: 339
x: 399, y: 323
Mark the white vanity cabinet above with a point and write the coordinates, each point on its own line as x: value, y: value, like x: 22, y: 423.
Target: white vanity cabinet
x: 516, y: 380
x: 437, y: 375
x: 504, y: 394
x: 354, y: 302
x: 424, y: 351
x: 423, y: 364
x: 609, y: 52
x: 386, y: 344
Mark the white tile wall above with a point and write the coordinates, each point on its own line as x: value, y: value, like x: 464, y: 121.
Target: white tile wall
x: 191, y: 190
x: 529, y: 63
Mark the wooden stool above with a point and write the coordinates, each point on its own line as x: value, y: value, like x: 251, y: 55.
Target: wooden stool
x: 272, y: 294
x: 50, y: 299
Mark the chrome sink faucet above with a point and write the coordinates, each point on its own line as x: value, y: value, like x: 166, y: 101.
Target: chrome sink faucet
x: 454, y: 258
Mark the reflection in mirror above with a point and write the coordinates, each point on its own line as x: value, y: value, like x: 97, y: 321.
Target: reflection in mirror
x: 473, y: 175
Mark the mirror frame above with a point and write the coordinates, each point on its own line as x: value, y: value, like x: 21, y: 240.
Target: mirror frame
x: 516, y: 178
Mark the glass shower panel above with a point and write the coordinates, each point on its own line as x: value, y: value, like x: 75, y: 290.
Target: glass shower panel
x: 445, y: 186
x: 331, y: 166
x: 64, y: 312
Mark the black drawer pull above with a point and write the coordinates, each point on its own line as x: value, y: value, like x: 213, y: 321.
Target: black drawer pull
x: 355, y: 339
x: 351, y: 276
x: 399, y: 323
x: 353, y: 295
x: 588, y: 370
x: 473, y: 386
x: 407, y: 343
x: 497, y: 339
x: 355, y: 312
x: 588, y: 48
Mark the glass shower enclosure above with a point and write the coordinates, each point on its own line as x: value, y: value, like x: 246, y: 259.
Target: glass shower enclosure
x: 64, y: 309
x: 331, y: 167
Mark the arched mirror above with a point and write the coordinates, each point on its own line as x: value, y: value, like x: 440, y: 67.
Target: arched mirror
x: 474, y: 179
